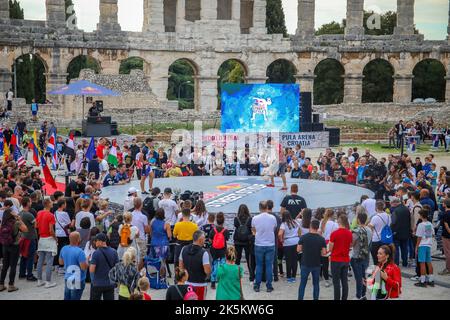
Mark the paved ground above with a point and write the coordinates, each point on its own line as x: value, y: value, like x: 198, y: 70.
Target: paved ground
x: 283, y: 290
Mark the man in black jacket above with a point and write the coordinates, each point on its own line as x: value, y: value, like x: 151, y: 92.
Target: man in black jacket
x: 400, y: 131
x: 401, y: 229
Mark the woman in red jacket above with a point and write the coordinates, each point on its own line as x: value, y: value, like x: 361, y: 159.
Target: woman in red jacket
x: 386, y: 280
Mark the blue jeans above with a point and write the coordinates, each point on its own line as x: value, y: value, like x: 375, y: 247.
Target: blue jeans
x: 73, y: 294
x: 26, y: 264
x: 264, y: 255
x: 359, y: 267
x: 401, y: 245
x: 304, y: 274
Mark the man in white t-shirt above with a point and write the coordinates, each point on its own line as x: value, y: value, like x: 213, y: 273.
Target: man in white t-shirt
x: 263, y: 227
x: 170, y: 207
x: 377, y: 223
x: 9, y: 99
x: 85, y: 207
x: 140, y: 221
x: 369, y: 205
x: 128, y: 204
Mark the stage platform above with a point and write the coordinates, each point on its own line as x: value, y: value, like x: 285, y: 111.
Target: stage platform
x: 226, y: 193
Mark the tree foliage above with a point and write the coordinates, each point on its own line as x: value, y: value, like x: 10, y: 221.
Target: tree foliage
x: 330, y: 28
x: 182, y: 84
x: 231, y: 71
x: 428, y: 81
x: 79, y: 63
x: 281, y: 71
x: 275, y: 19
x: 329, y: 83
x: 131, y: 63
x: 30, y: 78
x: 15, y: 11
x: 378, y: 82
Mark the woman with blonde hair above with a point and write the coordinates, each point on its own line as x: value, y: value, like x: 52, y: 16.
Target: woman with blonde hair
x: 229, y: 277
x: 125, y: 274
x: 327, y: 226
x: 128, y: 235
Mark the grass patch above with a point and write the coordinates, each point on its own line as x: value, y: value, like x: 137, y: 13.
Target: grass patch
x: 382, y: 148
x: 368, y: 127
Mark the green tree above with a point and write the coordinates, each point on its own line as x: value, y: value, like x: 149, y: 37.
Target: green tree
x: 181, y: 81
x: 281, y: 71
x: 15, y: 11
x: 30, y: 78
x: 330, y: 28
x: 329, y: 83
x: 378, y: 82
x: 231, y: 71
x: 275, y: 19
x: 79, y: 63
x: 428, y: 81
x: 131, y: 63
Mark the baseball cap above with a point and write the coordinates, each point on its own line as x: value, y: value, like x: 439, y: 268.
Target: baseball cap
x: 132, y: 190
x: 100, y: 237
x: 168, y: 190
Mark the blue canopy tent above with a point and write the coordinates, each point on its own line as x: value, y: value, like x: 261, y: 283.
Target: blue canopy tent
x: 83, y: 88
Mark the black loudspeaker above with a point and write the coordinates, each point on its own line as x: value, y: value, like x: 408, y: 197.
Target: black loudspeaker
x: 305, y: 107
x: 114, y: 129
x: 99, y: 105
x: 316, y: 118
x: 317, y: 127
x: 76, y: 133
x: 306, y: 127
x: 335, y: 136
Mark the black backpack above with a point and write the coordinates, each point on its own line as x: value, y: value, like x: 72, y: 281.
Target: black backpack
x: 148, y: 208
x: 242, y: 232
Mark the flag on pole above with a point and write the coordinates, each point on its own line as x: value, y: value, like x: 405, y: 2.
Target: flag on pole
x: 51, y: 148
x: 35, y: 152
x: 6, y: 151
x: 36, y: 143
x: 112, y: 156
x: 47, y: 174
x: 90, y: 152
x: 71, y: 142
x: 2, y: 141
x: 19, y: 158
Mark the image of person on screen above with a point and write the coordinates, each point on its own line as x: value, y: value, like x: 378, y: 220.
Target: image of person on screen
x: 260, y: 106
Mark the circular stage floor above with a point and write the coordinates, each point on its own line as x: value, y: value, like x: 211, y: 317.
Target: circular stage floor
x: 226, y: 193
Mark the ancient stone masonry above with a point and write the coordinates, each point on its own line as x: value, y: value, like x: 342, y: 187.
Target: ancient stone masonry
x: 206, y: 33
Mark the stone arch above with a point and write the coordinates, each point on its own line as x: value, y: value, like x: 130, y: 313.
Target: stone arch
x: 193, y: 10
x: 82, y: 62
x: 429, y: 80
x: 31, y: 77
x: 378, y: 81
x: 224, y: 9
x: 134, y: 62
x: 328, y: 82
x: 183, y: 83
x: 230, y: 71
x: 281, y: 71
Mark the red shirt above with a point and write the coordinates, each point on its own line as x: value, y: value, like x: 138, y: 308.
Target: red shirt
x: 342, y: 240
x: 43, y: 221
x: 100, y: 150
x: 146, y: 296
x: 351, y: 178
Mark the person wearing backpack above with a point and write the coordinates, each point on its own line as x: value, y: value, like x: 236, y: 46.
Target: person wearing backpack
x: 401, y: 229
x: 180, y: 290
x: 242, y: 238
x: 128, y: 234
x: 196, y: 261
x: 125, y: 274
x: 361, y: 241
x: 151, y: 204
x: 379, y: 222
x: 219, y: 236
x: 10, y: 229
x: 113, y: 232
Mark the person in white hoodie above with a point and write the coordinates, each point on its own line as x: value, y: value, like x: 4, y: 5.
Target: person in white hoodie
x: 128, y: 204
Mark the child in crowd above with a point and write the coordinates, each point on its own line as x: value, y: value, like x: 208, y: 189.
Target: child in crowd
x: 424, y: 234
x: 207, y: 228
x: 144, y: 287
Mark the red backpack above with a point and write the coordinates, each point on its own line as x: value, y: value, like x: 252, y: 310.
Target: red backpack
x: 219, y: 239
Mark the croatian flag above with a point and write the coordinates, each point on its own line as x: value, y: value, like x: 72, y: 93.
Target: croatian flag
x: 19, y: 158
x: 51, y: 148
x: 15, y: 138
x: 47, y: 174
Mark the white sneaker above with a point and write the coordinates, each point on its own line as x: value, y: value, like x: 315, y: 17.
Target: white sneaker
x: 50, y: 285
x: 41, y: 283
x: 327, y: 283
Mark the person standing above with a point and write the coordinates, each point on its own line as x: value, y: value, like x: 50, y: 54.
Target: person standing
x: 424, y: 243
x: 34, y: 110
x: 313, y: 247
x: 401, y: 229
x: 400, y: 130
x: 339, y: 246
x: 377, y: 223
x: 242, y: 238
x: 263, y: 227
x: 125, y: 274
x: 289, y: 237
x: 141, y: 222
x: 30, y: 238
x: 9, y: 100
x: 446, y: 236
x: 75, y: 265
x: 230, y: 277
x: 47, y: 245
x: 196, y: 261
x: 10, y: 228
x: 184, y: 232
x: 102, y: 261
x: 219, y: 236
x: 362, y: 239
x: 293, y: 202
x: 63, y: 223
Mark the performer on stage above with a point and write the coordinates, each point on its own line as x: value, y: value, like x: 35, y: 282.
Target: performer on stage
x: 281, y: 163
